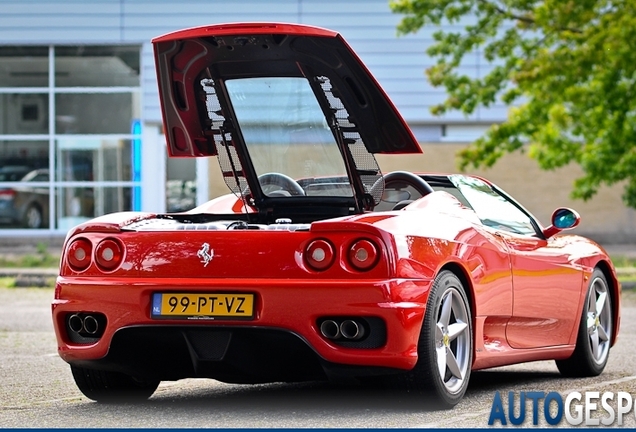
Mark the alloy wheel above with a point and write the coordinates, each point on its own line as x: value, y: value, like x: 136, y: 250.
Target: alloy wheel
x: 452, y: 340
x: 33, y: 217
x: 599, y: 320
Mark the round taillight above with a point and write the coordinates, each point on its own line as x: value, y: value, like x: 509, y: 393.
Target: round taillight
x: 319, y: 255
x: 109, y: 254
x: 79, y: 254
x: 363, y: 254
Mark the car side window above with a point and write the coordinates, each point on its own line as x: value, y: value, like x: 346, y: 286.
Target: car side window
x: 493, y: 209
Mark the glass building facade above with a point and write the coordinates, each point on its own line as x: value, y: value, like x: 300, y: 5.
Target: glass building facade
x: 70, y: 128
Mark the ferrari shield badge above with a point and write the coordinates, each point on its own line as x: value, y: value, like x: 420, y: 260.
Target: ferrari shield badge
x: 206, y: 254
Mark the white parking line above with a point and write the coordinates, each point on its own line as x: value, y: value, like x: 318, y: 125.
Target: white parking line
x: 595, y: 386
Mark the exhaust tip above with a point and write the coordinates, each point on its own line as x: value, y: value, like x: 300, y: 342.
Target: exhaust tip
x: 330, y: 329
x: 76, y: 323
x: 85, y: 327
x: 359, y: 332
x: 91, y: 325
x: 351, y: 329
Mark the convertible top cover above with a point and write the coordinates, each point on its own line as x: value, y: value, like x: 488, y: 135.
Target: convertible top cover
x: 226, y: 52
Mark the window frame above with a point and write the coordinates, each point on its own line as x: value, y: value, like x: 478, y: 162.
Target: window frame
x: 52, y: 137
x: 507, y: 199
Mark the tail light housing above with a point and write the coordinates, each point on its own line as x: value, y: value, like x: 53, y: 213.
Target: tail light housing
x: 363, y: 254
x: 7, y: 194
x: 79, y: 254
x: 109, y: 254
x: 319, y: 255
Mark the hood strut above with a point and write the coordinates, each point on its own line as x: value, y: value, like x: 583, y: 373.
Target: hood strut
x: 366, y: 201
x: 320, y: 85
x: 226, y: 145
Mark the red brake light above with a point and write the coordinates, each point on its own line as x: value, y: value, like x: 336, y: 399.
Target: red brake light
x: 109, y: 254
x: 363, y: 255
x: 7, y: 194
x: 319, y: 255
x: 79, y: 254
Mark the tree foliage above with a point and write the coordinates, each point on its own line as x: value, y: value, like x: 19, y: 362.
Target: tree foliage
x: 566, y: 67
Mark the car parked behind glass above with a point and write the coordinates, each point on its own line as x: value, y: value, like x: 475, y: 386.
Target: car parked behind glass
x: 27, y: 205
x: 12, y: 173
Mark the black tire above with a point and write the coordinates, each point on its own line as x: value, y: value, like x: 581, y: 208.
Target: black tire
x: 110, y: 387
x: 595, y: 332
x: 33, y: 217
x: 445, y: 388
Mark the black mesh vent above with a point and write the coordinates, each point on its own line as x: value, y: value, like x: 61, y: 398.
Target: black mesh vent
x: 366, y: 165
x: 227, y: 156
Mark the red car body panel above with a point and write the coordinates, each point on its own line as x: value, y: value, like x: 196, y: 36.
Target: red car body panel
x: 245, y: 28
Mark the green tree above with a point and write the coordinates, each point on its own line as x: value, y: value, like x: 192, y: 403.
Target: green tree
x: 567, y: 67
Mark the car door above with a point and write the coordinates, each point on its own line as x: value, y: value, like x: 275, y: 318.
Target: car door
x: 546, y: 286
x: 546, y: 290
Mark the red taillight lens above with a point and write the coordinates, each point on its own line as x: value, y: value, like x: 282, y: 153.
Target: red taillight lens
x: 79, y: 254
x: 7, y: 194
x: 363, y: 254
x: 109, y: 254
x: 319, y: 255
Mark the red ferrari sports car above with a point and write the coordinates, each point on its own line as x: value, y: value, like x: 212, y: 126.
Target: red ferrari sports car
x: 317, y: 265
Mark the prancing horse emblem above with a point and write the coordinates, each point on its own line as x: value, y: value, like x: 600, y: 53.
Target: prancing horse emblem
x: 206, y: 254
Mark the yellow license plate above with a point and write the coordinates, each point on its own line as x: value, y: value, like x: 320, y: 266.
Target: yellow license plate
x: 202, y: 305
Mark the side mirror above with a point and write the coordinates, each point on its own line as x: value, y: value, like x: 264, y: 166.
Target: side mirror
x: 562, y: 219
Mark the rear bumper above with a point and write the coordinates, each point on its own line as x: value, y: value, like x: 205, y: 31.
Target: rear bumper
x: 259, y: 350
x: 239, y: 355
x: 7, y: 211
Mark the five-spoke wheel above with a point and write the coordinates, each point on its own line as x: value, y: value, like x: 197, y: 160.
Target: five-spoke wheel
x: 595, y: 331
x: 445, y: 349
x: 452, y: 340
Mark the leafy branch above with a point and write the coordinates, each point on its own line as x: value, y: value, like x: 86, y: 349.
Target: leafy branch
x: 565, y: 68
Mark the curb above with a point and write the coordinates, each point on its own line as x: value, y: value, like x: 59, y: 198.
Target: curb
x: 31, y: 277
x: 17, y: 272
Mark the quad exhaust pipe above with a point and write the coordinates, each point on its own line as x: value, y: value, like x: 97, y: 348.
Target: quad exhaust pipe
x: 348, y: 329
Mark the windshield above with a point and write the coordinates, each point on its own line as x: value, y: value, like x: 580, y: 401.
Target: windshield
x: 493, y: 209
x: 289, y: 142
